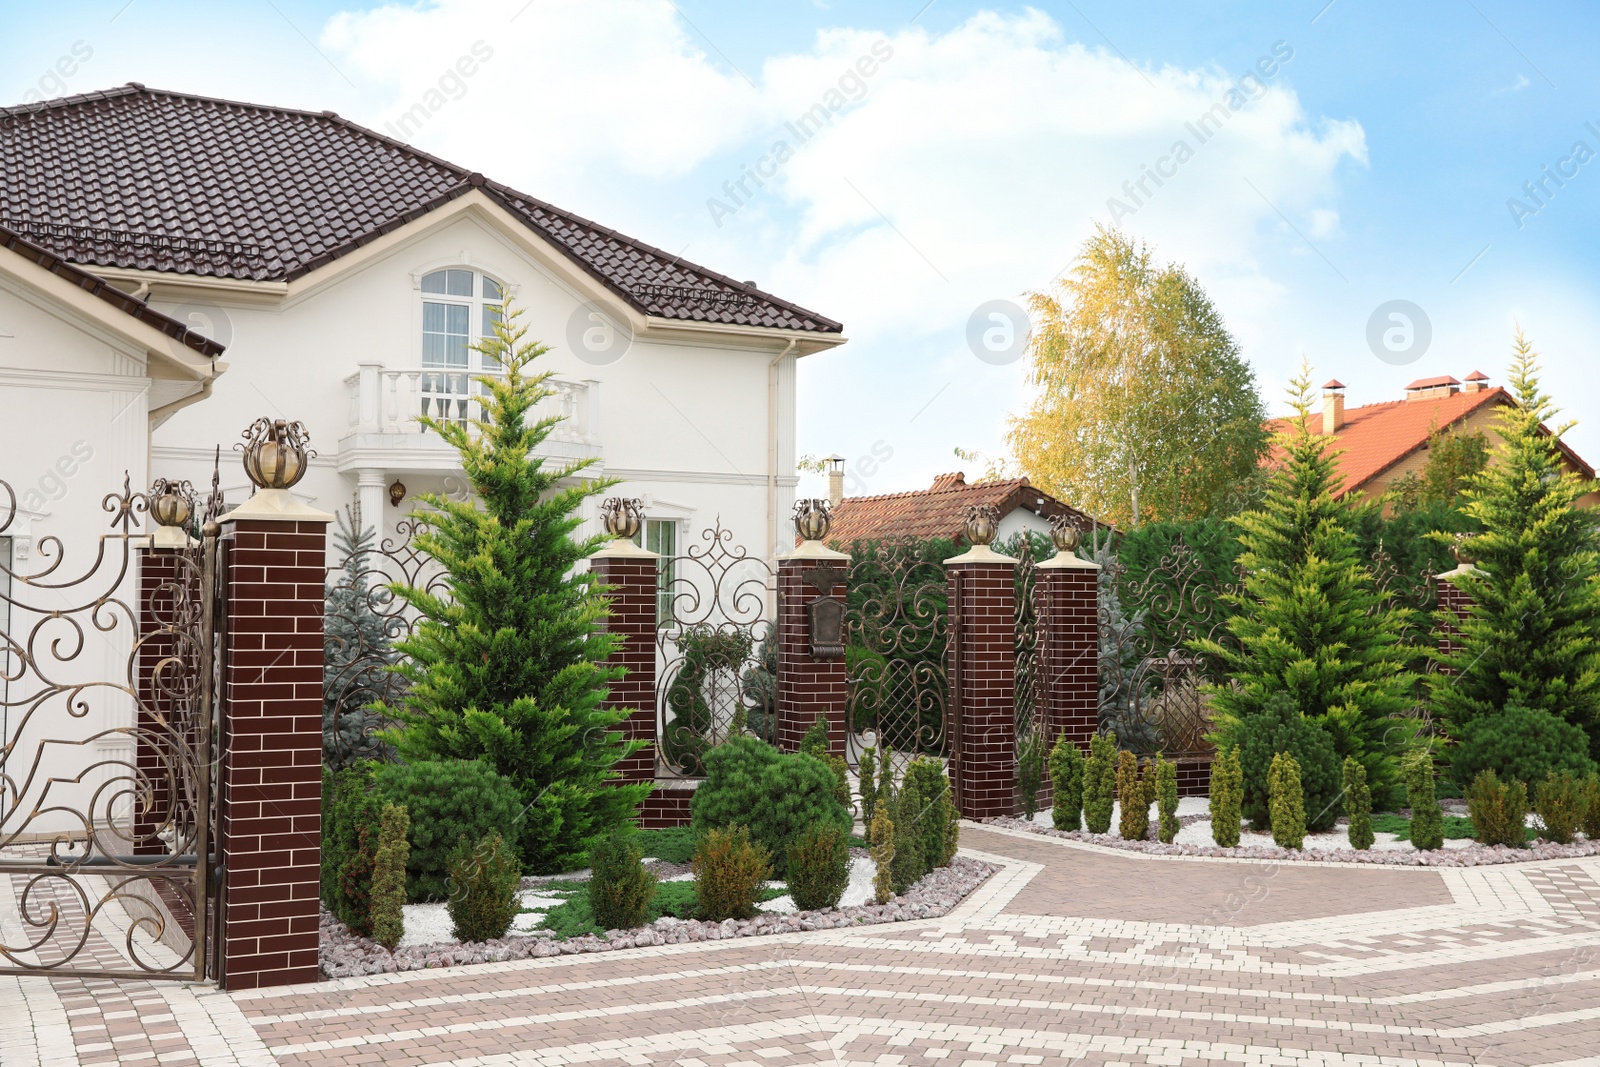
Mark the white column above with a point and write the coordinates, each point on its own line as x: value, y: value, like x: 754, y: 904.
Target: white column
x: 782, y: 523
x: 368, y: 398
x: 372, y: 493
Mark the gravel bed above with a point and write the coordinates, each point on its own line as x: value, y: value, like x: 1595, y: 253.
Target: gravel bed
x: 1474, y: 855
x: 344, y: 955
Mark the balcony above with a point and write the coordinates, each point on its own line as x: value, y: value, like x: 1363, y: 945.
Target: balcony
x: 384, y: 433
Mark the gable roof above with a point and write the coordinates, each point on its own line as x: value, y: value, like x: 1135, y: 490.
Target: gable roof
x: 153, y: 180
x: 97, y: 286
x: 939, y: 510
x: 1375, y: 437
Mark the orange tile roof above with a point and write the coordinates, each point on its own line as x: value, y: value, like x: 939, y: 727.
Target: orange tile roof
x: 939, y: 510
x: 1375, y: 437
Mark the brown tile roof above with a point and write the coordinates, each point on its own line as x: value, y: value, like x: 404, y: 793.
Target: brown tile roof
x: 1375, y: 437
x: 939, y: 510
x: 103, y: 289
x: 143, y: 178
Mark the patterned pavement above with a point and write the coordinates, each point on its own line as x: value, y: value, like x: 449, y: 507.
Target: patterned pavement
x: 1071, y: 954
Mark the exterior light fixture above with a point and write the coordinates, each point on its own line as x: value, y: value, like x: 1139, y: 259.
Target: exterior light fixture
x: 397, y: 493
x: 275, y: 453
x: 622, y: 517
x: 812, y: 518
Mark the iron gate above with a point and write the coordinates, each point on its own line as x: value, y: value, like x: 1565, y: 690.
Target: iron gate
x: 109, y: 718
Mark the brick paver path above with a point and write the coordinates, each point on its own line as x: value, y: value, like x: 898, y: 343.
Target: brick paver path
x: 1071, y: 954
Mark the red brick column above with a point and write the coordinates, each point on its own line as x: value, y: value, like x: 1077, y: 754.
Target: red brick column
x: 808, y: 686
x: 1454, y: 603
x: 271, y: 773
x: 154, y: 742
x: 1069, y: 668
x: 983, y: 682
x: 630, y: 575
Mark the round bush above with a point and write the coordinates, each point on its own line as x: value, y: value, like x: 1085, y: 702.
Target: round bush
x: 1522, y: 744
x: 447, y: 800
x: 777, y: 797
x: 1279, y: 727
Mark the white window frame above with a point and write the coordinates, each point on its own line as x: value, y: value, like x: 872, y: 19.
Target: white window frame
x: 667, y: 570
x: 445, y: 391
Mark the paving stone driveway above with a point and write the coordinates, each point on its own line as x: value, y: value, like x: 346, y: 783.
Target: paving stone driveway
x: 1071, y: 954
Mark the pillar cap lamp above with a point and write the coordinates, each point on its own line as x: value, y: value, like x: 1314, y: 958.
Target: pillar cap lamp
x: 275, y: 453
x: 812, y: 517
x: 172, y: 506
x: 1064, y: 535
x: 622, y: 517
x: 982, y: 523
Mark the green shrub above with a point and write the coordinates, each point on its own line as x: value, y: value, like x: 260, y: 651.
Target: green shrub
x: 1521, y: 743
x: 351, y: 815
x: 1287, y: 799
x: 446, y: 799
x: 885, y: 778
x: 1099, y: 784
x: 1358, y: 804
x: 1279, y: 727
x: 1227, y: 791
x: 1133, y: 792
x: 819, y: 868
x: 1066, y: 783
x: 815, y: 740
x: 773, y: 796
x: 867, y: 785
x: 1030, y: 770
x: 482, y: 895
x: 389, y: 877
x: 1591, y: 807
x: 1427, y: 820
x: 909, y: 862
x: 620, y: 888
x: 729, y: 868
x: 882, y: 832
x: 1558, y: 801
x: 1167, y: 800
x: 670, y: 844
x: 938, y: 824
x: 1499, y: 810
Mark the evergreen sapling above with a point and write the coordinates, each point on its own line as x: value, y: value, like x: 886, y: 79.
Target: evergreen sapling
x: 1066, y: 782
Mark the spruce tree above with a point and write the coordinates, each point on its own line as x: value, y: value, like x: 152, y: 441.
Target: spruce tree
x: 509, y: 668
x: 1531, y: 637
x: 356, y: 653
x: 1310, y: 621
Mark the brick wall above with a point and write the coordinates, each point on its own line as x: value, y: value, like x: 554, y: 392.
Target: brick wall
x: 1069, y: 665
x: 272, y: 764
x: 667, y: 805
x: 807, y: 687
x: 632, y: 580
x: 983, y: 684
x: 1453, y: 602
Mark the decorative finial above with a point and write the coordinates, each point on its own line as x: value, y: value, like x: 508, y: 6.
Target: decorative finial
x: 275, y: 453
x: 1064, y: 535
x: 622, y: 516
x: 982, y: 523
x: 812, y: 517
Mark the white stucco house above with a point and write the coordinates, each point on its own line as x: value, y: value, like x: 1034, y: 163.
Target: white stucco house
x: 346, y: 275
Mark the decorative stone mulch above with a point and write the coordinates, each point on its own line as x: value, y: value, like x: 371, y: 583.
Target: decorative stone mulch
x: 344, y: 954
x: 1474, y: 855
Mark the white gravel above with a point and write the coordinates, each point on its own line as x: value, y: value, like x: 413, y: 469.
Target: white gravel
x: 428, y: 924
x: 858, y: 892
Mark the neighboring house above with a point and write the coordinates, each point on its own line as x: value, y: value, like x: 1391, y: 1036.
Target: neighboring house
x: 940, y: 511
x: 1384, y: 442
x: 348, y: 274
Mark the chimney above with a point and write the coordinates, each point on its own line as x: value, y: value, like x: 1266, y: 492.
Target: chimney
x: 1476, y: 382
x: 1333, y: 407
x: 1433, y: 388
x: 835, y: 464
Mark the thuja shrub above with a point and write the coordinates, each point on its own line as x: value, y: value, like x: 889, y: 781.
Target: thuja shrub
x: 482, y: 897
x: 729, y: 869
x: 1427, y: 819
x: 1227, y: 790
x: 1358, y: 804
x: 1099, y: 784
x: 1279, y: 727
x: 446, y: 800
x: 1066, y: 783
x: 938, y: 823
x: 1030, y: 770
x: 1133, y: 792
x: 815, y: 745
x: 1498, y: 809
x: 1287, y: 801
x: 1166, y: 778
x: 909, y: 863
x: 867, y: 785
x: 351, y: 814
x: 772, y: 795
x: 819, y: 868
x: 1591, y: 807
x: 620, y: 889
x: 1558, y: 801
x: 388, y: 899
x: 882, y: 839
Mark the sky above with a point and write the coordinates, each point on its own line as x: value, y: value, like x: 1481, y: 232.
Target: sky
x: 1444, y: 154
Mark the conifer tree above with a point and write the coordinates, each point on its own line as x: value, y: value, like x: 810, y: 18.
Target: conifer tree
x: 1310, y: 621
x: 510, y: 667
x: 1532, y: 635
x: 356, y: 653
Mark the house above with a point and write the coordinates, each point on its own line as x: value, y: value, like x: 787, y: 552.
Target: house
x: 940, y: 510
x: 1384, y: 442
x: 348, y: 275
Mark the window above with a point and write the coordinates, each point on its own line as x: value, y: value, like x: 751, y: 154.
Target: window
x: 459, y: 309
x: 661, y: 537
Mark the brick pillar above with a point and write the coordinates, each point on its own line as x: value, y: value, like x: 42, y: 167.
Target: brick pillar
x: 630, y: 575
x: 983, y: 682
x: 271, y: 773
x: 154, y: 741
x: 1068, y: 593
x: 809, y: 686
x: 1454, y: 602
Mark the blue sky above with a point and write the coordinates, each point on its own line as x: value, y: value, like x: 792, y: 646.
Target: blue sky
x: 1375, y: 163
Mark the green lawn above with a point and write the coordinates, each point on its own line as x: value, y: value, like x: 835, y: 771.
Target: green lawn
x: 574, y: 919
x: 1455, y: 826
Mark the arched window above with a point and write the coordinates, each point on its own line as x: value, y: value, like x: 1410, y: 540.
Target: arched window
x: 459, y: 309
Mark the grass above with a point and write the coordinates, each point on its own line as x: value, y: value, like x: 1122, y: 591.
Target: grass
x: 677, y: 899
x: 1455, y: 826
x: 676, y: 844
